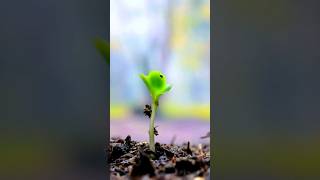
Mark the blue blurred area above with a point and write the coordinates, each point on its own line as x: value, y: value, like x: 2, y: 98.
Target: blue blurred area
x: 168, y: 35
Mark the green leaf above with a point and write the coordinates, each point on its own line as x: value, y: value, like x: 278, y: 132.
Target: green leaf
x: 156, y: 84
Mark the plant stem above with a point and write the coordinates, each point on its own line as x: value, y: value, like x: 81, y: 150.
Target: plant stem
x: 151, y: 128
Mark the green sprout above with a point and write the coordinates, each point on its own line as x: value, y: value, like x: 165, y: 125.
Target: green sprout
x: 157, y: 86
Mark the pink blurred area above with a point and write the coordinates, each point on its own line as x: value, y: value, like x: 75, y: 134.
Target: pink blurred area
x: 181, y: 131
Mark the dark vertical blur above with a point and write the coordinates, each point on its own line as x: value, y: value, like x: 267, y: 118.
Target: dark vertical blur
x: 53, y: 89
x: 266, y: 89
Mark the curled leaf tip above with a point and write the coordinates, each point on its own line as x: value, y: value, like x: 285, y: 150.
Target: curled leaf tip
x: 156, y: 84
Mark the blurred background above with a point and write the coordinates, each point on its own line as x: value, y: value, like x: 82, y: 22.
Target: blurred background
x: 266, y: 89
x: 53, y: 90
x: 172, y: 36
x: 53, y: 84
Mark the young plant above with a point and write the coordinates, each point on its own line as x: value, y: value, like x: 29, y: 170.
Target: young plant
x: 157, y: 86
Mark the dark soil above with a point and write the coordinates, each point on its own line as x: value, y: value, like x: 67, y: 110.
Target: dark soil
x: 134, y: 160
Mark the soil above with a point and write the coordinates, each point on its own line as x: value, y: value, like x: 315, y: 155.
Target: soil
x: 134, y: 160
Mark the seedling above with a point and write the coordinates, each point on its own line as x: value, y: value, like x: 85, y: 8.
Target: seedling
x: 157, y: 86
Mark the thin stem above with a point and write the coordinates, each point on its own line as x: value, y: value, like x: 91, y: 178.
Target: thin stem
x: 151, y: 128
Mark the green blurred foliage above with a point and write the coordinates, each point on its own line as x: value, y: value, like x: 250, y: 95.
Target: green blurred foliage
x: 104, y: 48
x: 27, y: 156
x: 261, y: 156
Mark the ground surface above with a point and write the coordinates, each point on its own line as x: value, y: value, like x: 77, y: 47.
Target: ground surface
x: 178, y: 130
x: 134, y: 160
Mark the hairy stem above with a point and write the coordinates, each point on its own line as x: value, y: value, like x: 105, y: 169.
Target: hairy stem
x: 151, y: 128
